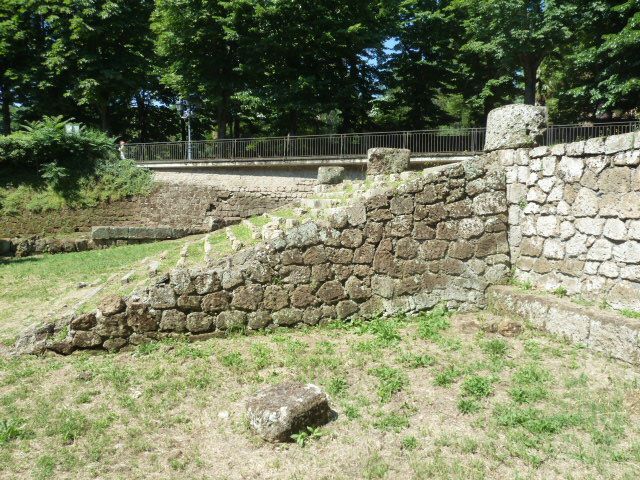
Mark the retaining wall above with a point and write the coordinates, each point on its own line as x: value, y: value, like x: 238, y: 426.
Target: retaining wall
x: 574, y: 217
x: 438, y: 237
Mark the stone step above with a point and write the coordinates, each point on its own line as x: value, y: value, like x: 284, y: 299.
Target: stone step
x: 605, y: 331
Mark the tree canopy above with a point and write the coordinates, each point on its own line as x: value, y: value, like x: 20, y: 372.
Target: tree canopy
x: 273, y: 67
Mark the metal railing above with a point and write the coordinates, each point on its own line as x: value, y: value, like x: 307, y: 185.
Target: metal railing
x: 335, y: 146
x: 465, y: 141
x: 556, y: 134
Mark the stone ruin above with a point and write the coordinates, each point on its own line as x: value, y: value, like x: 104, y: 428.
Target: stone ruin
x: 563, y: 216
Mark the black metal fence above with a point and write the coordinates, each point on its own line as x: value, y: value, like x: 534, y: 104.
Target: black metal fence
x: 556, y: 134
x: 465, y: 141
x: 339, y: 146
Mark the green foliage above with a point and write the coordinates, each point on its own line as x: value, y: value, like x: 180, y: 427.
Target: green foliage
x: 534, y: 420
x: 447, y: 376
x: 409, y: 443
x: 391, y: 381
x: 560, y: 292
x: 630, y: 313
x: 430, y: 325
x: 392, y: 422
x: 468, y: 406
x: 10, y: 429
x: 496, y: 347
x: 477, y: 387
x: 53, y: 169
x: 529, y: 384
x: 305, y: 436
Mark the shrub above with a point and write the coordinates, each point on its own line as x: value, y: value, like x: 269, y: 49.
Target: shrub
x: 47, y: 142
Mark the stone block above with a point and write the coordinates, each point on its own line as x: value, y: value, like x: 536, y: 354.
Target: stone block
x: 330, y: 175
x: 278, y: 412
x: 5, y: 247
x: 386, y: 161
x: 619, y: 143
x: 515, y: 126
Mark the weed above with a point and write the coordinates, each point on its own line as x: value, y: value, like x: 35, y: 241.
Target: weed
x: 413, y: 360
x: 533, y: 420
x: 392, y: 422
x: 391, y: 381
x: 352, y: 412
x: 233, y: 360
x: 561, y: 292
x: 409, y: 443
x: 468, y: 406
x: 522, y: 285
x: 385, y: 330
x: 147, y: 348
x: 496, y: 348
x: 10, y: 429
x: 375, y: 468
x: 261, y: 356
x: 431, y: 325
x: 305, y: 436
x: 630, y: 313
x: 337, y: 387
x: 477, y: 387
x: 447, y: 376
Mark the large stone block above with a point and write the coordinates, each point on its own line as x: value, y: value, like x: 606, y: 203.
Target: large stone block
x: 515, y: 126
x: 385, y: 161
x: 276, y: 413
x: 330, y: 175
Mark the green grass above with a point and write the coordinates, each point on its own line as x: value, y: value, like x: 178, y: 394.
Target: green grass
x: 630, y: 313
x: 174, y: 409
x: 29, y: 287
x: 243, y: 233
x: 260, y: 221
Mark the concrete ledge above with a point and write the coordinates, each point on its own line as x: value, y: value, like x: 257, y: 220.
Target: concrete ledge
x: 600, y: 330
x: 345, y: 162
x: 138, y: 233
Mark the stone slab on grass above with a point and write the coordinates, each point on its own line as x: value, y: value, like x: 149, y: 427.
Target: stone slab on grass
x: 603, y: 331
x: 278, y: 412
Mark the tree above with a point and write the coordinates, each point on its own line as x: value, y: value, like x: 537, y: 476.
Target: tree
x: 103, y: 50
x: 520, y: 34
x: 18, y: 53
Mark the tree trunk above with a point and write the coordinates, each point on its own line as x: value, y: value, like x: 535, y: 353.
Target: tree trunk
x: 236, y: 127
x: 530, y: 66
x: 142, y: 117
x: 103, y: 111
x: 6, y: 111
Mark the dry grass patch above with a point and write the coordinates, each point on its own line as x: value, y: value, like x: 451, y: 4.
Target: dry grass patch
x: 425, y: 397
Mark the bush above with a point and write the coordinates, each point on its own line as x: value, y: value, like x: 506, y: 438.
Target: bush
x: 47, y: 142
x: 44, y: 168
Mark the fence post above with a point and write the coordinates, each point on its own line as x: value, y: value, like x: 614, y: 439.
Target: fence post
x: 342, y: 145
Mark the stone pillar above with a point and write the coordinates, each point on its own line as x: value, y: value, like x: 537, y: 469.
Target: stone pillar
x: 515, y: 126
x: 385, y: 161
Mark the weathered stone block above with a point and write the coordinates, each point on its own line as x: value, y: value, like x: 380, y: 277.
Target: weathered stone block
x: 385, y: 161
x: 276, y: 413
x: 173, y: 321
x: 330, y: 175
x: 515, y: 126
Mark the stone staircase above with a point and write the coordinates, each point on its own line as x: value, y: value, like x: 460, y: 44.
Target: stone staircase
x: 328, y: 200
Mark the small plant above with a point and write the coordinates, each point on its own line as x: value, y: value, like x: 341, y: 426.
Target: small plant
x: 337, y: 387
x: 147, y: 348
x: 496, y: 348
x: 232, y: 360
x: 413, y: 360
x: 392, y: 422
x: 446, y: 377
x: 305, y: 436
x: 630, y: 313
x: 409, y: 443
x: 529, y: 384
x: 375, y: 468
x: 391, y: 381
x: 561, y: 292
x: 468, y: 406
x: 477, y: 387
x: 10, y: 429
x: 433, y: 323
x: 522, y: 285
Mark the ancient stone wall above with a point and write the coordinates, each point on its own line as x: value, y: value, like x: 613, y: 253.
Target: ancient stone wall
x: 574, y: 216
x: 438, y: 237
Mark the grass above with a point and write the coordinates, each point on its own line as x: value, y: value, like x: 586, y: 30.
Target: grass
x: 524, y: 407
